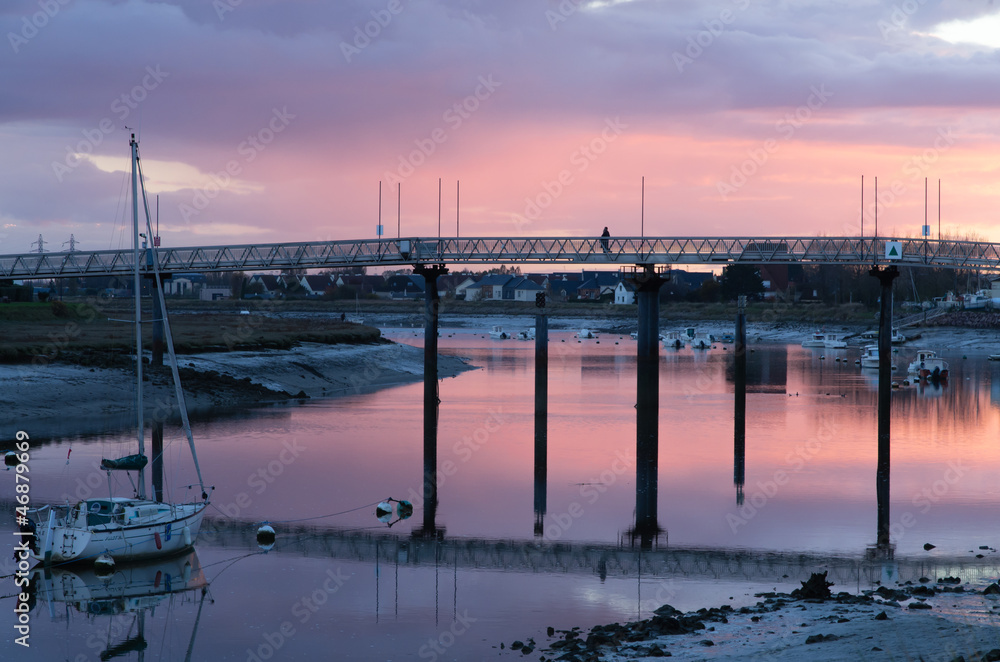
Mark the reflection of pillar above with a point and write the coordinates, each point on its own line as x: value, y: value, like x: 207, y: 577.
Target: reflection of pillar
x: 158, y: 460
x: 431, y: 401
x: 885, y: 276
x: 541, y: 419
x: 647, y: 407
x: 740, y: 406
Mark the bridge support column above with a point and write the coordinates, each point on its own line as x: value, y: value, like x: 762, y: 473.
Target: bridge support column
x: 431, y: 401
x: 647, y: 407
x: 740, y: 406
x: 885, y: 275
x: 541, y: 420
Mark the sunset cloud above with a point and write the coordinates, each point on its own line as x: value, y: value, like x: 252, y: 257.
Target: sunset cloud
x: 278, y: 118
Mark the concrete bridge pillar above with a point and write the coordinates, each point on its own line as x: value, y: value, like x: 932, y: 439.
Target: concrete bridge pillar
x: 740, y: 406
x: 885, y: 277
x: 647, y: 283
x: 541, y: 419
x: 431, y: 400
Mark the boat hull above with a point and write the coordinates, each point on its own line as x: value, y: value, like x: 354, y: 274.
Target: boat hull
x: 62, y: 543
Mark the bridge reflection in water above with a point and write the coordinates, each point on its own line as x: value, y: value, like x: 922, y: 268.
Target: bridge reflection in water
x: 590, y: 558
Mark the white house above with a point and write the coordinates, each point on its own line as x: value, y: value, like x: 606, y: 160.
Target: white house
x: 462, y: 290
x: 624, y: 294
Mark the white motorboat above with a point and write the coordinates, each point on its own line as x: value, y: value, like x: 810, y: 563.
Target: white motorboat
x: 897, y: 338
x: 127, y: 528
x: 819, y: 339
x: 497, y: 333
x: 702, y: 340
x: 833, y: 341
x: 673, y: 339
x: 586, y: 334
x: 928, y: 365
x: 869, y: 356
x: 529, y: 334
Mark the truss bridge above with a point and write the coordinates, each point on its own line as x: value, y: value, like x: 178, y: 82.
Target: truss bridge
x: 590, y: 251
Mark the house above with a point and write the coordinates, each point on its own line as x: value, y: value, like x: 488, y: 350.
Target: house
x: 522, y: 289
x: 775, y: 280
x: 564, y: 289
x: 491, y: 287
x: 589, y: 290
x: 266, y: 286
x: 606, y: 280
x: 361, y: 283
x: 462, y: 288
x: 406, y: 286
x: 315, y: 286
x: 214, y: 293
x: 624, y: 293
x: 183, y: 285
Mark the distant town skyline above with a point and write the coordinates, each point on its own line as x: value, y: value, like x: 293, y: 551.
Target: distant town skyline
x: 266, y: 121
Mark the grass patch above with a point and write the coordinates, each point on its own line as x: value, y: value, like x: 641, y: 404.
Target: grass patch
x: 37, y: 335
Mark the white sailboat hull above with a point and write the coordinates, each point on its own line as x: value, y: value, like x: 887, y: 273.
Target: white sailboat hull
x: 171, y: 530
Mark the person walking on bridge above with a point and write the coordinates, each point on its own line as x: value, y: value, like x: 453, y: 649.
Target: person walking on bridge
x: 604, y: 239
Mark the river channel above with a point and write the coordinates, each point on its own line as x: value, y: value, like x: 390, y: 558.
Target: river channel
x: 339, y: 584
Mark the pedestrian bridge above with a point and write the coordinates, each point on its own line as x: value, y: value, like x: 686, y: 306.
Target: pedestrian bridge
x: 589, y: 251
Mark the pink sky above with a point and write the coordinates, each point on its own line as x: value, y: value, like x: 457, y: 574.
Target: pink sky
x: 550, y: 114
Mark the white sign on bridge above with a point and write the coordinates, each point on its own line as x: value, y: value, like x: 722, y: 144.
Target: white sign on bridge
x: 893, y: 250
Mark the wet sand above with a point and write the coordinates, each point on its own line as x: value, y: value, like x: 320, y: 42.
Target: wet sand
x: 59, y: 399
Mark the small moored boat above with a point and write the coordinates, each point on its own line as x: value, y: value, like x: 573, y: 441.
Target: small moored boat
x: 702, y: 340
x: 928, y: 365
x: 497, y: 333
x: 869, y: 356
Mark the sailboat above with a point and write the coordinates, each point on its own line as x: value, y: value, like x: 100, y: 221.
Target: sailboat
x: 127, y: 528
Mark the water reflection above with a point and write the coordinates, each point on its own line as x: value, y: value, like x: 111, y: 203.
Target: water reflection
x: 120, y: 602
x: 809, y: 424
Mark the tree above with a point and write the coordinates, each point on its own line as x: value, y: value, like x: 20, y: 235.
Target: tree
x: 741, y: 279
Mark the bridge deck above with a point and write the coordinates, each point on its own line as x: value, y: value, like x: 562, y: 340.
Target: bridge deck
x: 589, y: 251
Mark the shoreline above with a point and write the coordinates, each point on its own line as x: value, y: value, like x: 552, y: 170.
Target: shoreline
x: 943, y: 621
x: 63, y: 399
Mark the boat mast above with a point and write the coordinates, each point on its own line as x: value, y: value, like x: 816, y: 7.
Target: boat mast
x: 138, y: 309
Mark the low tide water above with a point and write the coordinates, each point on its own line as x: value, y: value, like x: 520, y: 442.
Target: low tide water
x: 338, y: 584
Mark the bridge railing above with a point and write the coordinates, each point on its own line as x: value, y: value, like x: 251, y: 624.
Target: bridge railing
x: 711, y: 251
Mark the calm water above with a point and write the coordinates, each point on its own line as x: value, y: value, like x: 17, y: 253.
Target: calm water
x: 348, y: 587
